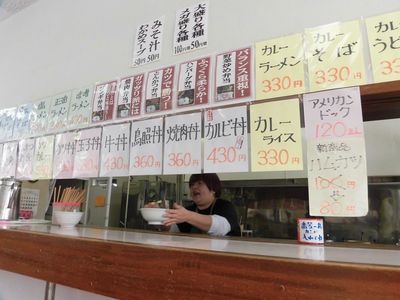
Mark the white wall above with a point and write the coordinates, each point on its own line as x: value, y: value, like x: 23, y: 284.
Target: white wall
x: 57, y: 45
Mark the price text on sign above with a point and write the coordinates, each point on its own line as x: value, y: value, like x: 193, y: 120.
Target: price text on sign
x: 116, y: 163
x: 87, y: 165
x: 334, y: 75
x: 275, y: 157
x: 222, y: 155
x: 146, y: 161
x: 180, y: 159
x: 335, y: 130
x: 390, y: 67
x: 277, y: 84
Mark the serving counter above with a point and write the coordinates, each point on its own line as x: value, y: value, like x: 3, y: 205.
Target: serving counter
x: 146, y: 265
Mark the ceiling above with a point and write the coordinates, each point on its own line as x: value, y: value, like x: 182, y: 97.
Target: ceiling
x: 10, y: 7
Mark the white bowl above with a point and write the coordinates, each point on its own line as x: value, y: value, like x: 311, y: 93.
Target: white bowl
x: 153, y: 215
x: 68, y: 219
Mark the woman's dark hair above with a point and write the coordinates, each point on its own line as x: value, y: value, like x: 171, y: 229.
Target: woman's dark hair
x: 210, y: 179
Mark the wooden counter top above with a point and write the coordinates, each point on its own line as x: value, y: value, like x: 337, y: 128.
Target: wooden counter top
x: 139, y: 265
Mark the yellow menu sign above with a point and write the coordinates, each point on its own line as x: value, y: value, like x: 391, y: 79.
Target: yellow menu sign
x: 280, y: 67
x: 335, y: 56
x: 384, y: 46
x: 276, y: 136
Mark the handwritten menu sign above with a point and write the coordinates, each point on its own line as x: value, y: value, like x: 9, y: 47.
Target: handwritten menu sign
x: 310, y: 230
x: 233, y: 75
x: 87, y: 153
x: 337, y: 174
x: 58, y: 114
x: 146, y: 147
x: 103, y: 101
x: 7, y: 118
x: 280, y: 67
x: 40, y: 114
x: 226, y: 140
x: 25, y: 159
x: 130, y: 96
x: 64, y: 151
x: 335, y: 56
x: 115, y: 150
x: 191, y: 28
x: 384, y: 44
x: 80, y: 108
x: 8, y: 162
x: 148, y: 42
x: 22, y: 121
x: 43, y: 158
x: 194, y: 82
x: 159, y: 87
x: 276, y: 136
x: 182, y: 144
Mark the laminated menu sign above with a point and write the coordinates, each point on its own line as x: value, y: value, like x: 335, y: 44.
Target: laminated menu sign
x: 233, y: 75
x: 384, y: 44
x: 103, y: 101
x: 115, y: 150
x: 159, y: 87
x: 335, y: 57
x: 146, y: 147
x: 43, y: 157
x: 191, y: 28
x: 58, y: 114
x: 7, y: 118
x: 87, y: 153
x: 80, y: 108
x: 337, y: 174
x: 276, y: 136
x: 310, y: 230
x: 8, y: 162
x: 25, y: 159
x: 226, y: 140
x: 130, y: 96
x: 64, y: 151
x: 182, y: 144
x: 22, y: 121
x: 194, y: 82
x: 148, y: 42
x: 40, y: 114
x: 280, y: 67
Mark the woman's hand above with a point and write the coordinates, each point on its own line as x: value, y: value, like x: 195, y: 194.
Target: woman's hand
x: 177, y: 215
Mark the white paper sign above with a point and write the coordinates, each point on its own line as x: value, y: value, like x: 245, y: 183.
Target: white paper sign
x: 130, y: 96
x: 58, y: 115
x: 226, y: 140
x: 80, y: 108
x: 22, y: 121
x: 191, y: 28
x: 25, y: 159
x: 146, y: 147
x: 7, y: 118
x: 115, y: 150
x: 8, y: 162
x: 86, y: 160
x: 310, y: 230
x: 182, y: 144
x: 39, y: 117
x: 148, y: 42
x: 43, y: 158
x: 64, y: 151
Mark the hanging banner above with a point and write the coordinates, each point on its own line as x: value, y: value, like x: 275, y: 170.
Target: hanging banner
x: 335, y: 56
x: 87, y: 153
x: 8, y: 162
x: 159, y: 87
x: 146, y: 147
x: 191, y: 28
x: 276, y: 136
x: 233, y: 75
x: 115, y: 150
x: 7, y: 119
x: 26, y: 155
x: 384, y: 44
x: 40, y: 114
x: 22, y: 121
x: 43, y: 158
x: 103, y: 101
x: 280, y: 67
x: 64, y: 151
x: 80, y: 108
x: 148, y: 42
x: 130, y: 96
x: 194, y: 82
x: 182, y: 144
x: 226, y: 140
x: 58, y: 115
